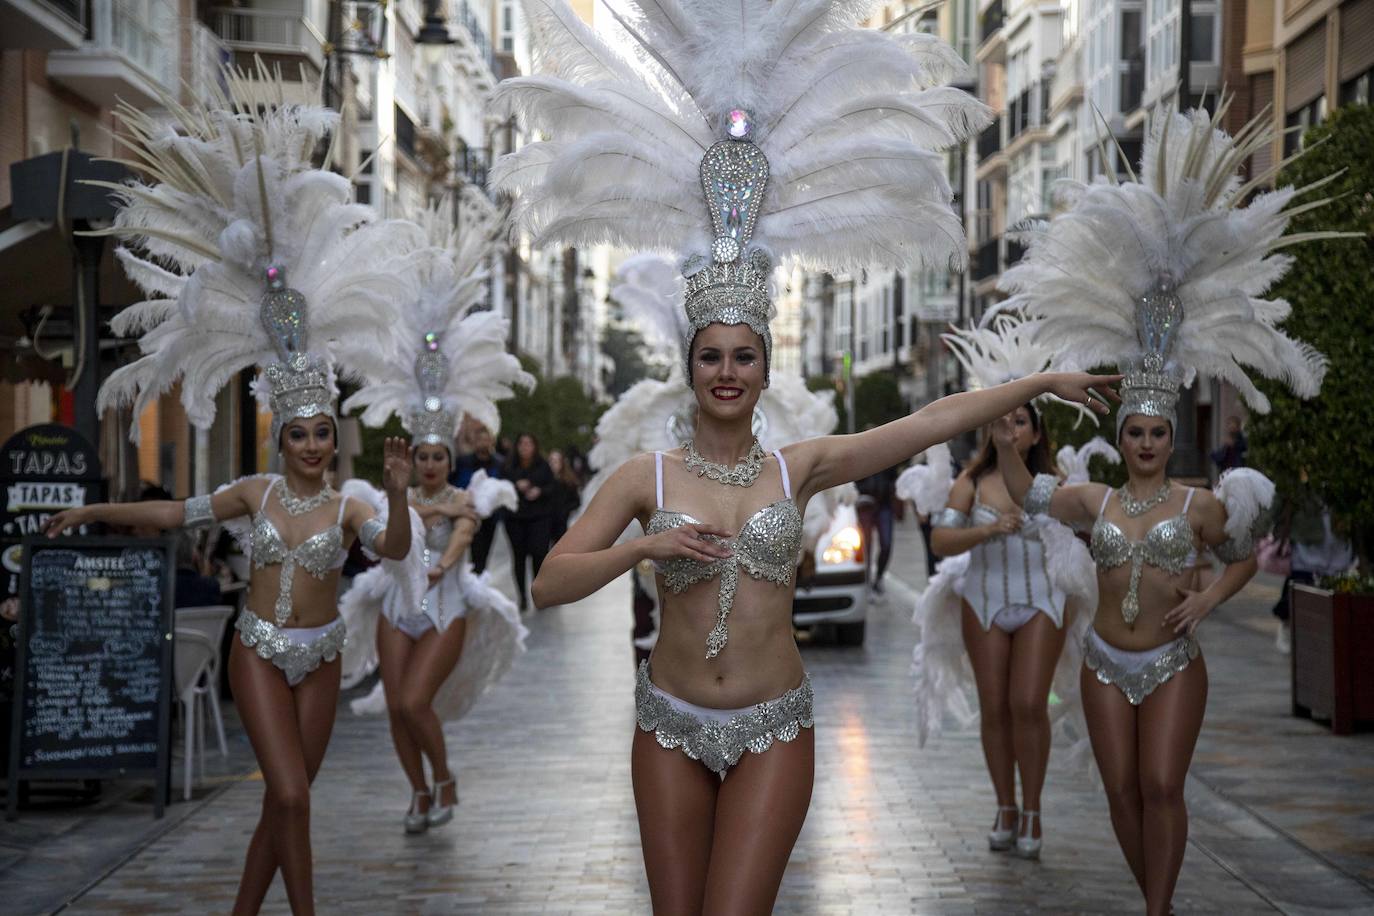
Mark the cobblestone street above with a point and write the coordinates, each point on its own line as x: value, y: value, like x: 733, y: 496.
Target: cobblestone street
x: 1282, y: 813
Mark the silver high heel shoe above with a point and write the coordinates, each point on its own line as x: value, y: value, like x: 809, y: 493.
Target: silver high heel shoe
x: 442, y: 814
x: 1028, y: 847
x: 417, y: 821
x: 999, y: 839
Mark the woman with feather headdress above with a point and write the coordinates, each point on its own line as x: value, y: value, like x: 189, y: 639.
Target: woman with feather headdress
x: 1163, y: 275
x: 807, y: 137
x: 444, y: 637
x: 1009, y: 592
x: 655, y: 415
x: 251, y: 256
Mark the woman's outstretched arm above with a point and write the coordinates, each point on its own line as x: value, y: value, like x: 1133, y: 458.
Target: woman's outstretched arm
x: 588, y: 557
x: 232, y: 501
x: 829, y: 461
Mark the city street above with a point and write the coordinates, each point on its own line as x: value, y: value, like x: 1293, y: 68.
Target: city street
x: 546, y: 822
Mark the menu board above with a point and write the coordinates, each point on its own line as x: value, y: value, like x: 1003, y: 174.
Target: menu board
x: 94, y: 672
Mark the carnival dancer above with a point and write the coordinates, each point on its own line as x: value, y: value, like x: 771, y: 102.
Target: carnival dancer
x: 657, y: 415
x: 444, y: 640
x: 252, y: 256
x: 811, y: 136
x: 1163, y: 275
x: 1004, y: 594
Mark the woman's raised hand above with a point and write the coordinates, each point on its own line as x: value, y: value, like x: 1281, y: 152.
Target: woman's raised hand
x: 687, y: 542
x: 395, y: 466
x: 1093, y: 391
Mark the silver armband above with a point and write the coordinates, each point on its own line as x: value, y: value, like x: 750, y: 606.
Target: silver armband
x: 949, y: 518
x: 1039, y: 495
x: 1234, y: 550
x: 198, y: 512
x: 370, y: 531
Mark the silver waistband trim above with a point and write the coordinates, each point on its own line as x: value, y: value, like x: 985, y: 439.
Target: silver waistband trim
x: 296, y: 660
x: 1137, y: 674
x: 719, y: 745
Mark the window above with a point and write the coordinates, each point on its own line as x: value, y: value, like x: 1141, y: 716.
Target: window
x: 1356, y: 91
x: 1202, y: 36
x: 1305, y: 117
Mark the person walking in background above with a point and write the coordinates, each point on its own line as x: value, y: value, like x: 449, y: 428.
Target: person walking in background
x: 1315, y: 550
x: 483, y: 457
x: 877, y: 493
x: 1233, y: 447
x: 567, y: 494
x: 530, y: 525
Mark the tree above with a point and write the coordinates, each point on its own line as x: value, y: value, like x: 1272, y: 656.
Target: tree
x: 629, y: 354
x: 877, y: 400
x: 1329, y: 440
x: 558, y: 412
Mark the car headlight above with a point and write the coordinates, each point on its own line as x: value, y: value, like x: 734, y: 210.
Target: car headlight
x: 846, y: 546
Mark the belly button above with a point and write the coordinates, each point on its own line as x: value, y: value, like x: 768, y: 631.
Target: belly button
x: 719, y: 679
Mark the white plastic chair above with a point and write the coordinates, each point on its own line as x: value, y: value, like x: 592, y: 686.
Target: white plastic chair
x: 195, y: 655
x: 209, y: 621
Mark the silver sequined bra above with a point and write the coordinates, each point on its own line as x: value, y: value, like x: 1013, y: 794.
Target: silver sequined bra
x: 318, y: 554
x: 1167, y: 546
x: 768, y: 547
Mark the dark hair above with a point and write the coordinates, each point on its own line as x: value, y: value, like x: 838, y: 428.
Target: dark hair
x: 515, y: 450
x: 151, y: 492
x: 1037, y: 461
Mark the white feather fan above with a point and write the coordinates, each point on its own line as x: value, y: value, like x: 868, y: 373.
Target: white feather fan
x: 928, y: 485
x: 1072, y: 463
x: 1248, y: 496
x: 850, y: 120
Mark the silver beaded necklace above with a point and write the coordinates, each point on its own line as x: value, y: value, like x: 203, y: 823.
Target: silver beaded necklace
x: 740, y: 475
x: 1136, y: 507
x: 298, y: 505
x: 418, y: 496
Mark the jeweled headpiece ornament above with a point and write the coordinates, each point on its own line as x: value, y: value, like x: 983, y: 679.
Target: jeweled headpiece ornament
x: 250, y: 255
x: 808, y: 137
x: 1163, y: 275
x: 445, y: 358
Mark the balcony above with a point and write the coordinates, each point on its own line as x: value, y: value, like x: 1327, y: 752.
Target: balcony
x: 272, y: 33
x: 53, y: 25
x: 473, y: 36
x: 131, y: 54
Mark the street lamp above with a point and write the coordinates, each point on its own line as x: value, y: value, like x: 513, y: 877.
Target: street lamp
x: 433, y: 38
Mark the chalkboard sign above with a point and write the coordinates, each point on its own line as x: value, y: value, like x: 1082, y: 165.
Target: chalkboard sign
x: 94, y: 673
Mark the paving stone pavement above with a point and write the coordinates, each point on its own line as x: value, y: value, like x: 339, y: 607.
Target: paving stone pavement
x: 546, y: 822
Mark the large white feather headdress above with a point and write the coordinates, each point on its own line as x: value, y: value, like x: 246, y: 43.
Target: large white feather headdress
x: 1164, y: 275
x: 447, y: 360
x: 249, y: 255
x: 736, y: 132
x: 1006, y: 347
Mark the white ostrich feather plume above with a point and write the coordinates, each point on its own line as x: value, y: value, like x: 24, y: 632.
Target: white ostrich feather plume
x: 1187, y: 221
x: 440, y: 295
x: 231, y: 189
x: 850, y: 119
x: 1072, y: 463
x: 1006, y: 347
x: 651, y: 290
x: 1247, y: 495
x: 928, y: 485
